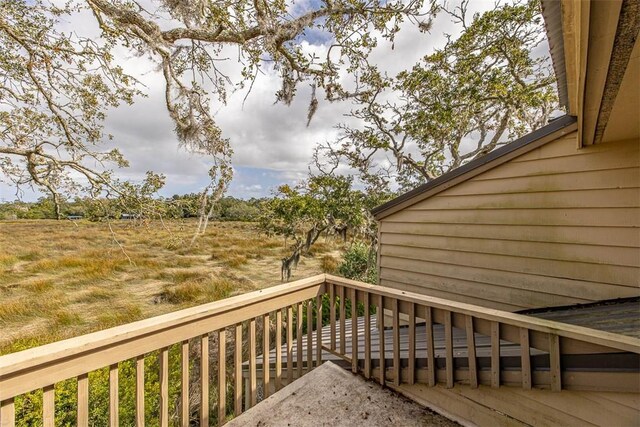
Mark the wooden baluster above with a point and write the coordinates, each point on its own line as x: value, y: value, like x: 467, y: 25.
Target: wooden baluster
x: 332, y: 315
x: 83, y: 400
x: 204, y: 380
x: 396, y: 343
x: 495, y: 354
x: 319, y: 330
x: 238, y: 371
x: 525, y: 359
x: 448, y: 344
x: 184, y: 385
x: 278, y: 350
x: 164, y: 387
x: 222, y: 376
x: 113, y: 396
x: 289, y: 345
x: 367, y: 337
x: 7, y: 413
x: 354, y: 331
x: 49, y: 406
x: 253, y: 385
x: 471, y: 349
x: 299, y: 326
x: 309, y: 335
x: 266, y: 366
x: 412, y: 344
x: 343, y: 315
x: 140, y: 390
x: 554, y: 362
x: 380, y: 319
x: 431, y: 354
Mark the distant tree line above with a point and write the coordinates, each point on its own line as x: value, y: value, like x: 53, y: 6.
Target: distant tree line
x: 175, y: 207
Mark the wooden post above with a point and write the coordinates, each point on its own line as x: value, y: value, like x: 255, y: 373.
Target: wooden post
x: 448, y: 344
x: 253, y: 386
x: 380, y: 319
x: 309, y: 335
x: 222, y: 377
x: 412, y: 343
x: 354, y: 331
x: 278, y: 350
x: 204, y: 380
x: 525, y: 359
x: 184, y: 392
x: 49, y: 407
x: 396, y: 343
x: 7, y: 413
x: 140, y: 391
x: 238, y: 371
x: 471, y: 352
x: 343, y: 314
x: 332, y: 315
x: 554, y: 360
x: 367, y: 337
x: 113, y: 395
x: 83, y: 400
x: 495, y: 354
x: 164, y: 387
x: 431, y: 357
x: 299, y: 355
x: 319, y: 330
x: 289, y: 345
x: 266, y: 363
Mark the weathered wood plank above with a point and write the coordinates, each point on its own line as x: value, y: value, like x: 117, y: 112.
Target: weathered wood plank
x: 114, y: 401
x: 396, y: 342
x: 204, y: 380
x: 8, y: 413
x: 380, y: 319
x: 354, y: 332
x: 525, y: 360
x: 49, y: 406
x: 343, y: 315
x: 140, y: 419
x: 309, y: 335
x: 495, y: 354
x: 471, y: 349
x: 83, y: 400
x: 332, y: 314
x: 412, y: 344
x: 448, y: 342
x: 164, y: 387
x: 367, y: 336
x: 431, y: 360
x: 266, y: 331
x: 222, y: 376
x: 289, y: 344
x: 253, y: 385
x: 554, y: 360
x: 319, y: 330
x: 278, y: 350
x: 238, y: 369
x: 299, y: 328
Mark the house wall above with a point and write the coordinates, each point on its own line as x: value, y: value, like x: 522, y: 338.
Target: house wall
x: 554, y: 226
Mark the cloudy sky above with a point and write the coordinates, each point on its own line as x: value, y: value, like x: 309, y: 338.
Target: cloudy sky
x: 271, y: 142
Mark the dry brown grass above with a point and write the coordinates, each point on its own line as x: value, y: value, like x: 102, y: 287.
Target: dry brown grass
x: 62, y: 279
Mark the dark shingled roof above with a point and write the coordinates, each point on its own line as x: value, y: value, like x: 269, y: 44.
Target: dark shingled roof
x: 553, y: 127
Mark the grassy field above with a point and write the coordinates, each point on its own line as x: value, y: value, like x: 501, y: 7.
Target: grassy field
x: 60, y: 279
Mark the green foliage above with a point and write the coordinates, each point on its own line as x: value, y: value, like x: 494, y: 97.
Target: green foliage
x: 359, y: 264
x: 456, y: 104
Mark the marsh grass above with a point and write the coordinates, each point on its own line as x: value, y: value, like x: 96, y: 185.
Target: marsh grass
x: 62, y: 279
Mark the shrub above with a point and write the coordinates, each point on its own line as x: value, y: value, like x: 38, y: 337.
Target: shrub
x: 358, y: 264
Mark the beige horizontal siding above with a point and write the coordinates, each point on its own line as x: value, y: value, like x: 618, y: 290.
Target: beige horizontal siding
x: 554, y: 226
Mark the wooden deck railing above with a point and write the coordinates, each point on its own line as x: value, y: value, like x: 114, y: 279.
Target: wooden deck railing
x: 290, y: 315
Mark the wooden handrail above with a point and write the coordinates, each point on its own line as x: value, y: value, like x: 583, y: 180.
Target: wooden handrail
x: 580, y: 333
x: 43, y: 367
x: 35, y: 368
